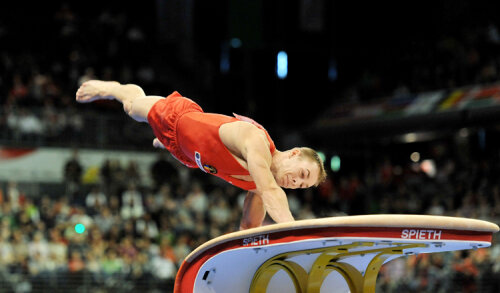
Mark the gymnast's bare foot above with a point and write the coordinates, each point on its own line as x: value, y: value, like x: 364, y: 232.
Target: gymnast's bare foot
x: 93, y: 90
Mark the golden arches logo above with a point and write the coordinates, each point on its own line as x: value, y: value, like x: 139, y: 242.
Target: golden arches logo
x: 326, y: 263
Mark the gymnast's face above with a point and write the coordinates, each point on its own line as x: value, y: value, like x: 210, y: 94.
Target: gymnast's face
x: 297, y: 171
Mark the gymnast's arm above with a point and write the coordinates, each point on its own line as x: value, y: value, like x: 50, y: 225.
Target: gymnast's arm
x: 258, y: 157
x: 253, y: 211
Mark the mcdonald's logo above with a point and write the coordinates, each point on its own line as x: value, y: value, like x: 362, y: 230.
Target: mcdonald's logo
x: 329, y: 261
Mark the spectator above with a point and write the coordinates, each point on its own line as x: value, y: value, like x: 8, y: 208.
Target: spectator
x: 93, y: 266
x: 118, y: 177
x: 147, y: 246
x: 163, y: 268
x: 166, y: 250
x: 97, y: 243
x: 151, y: 205
x: 80, y: 217
x: 220, y: 212
x: 57, y: 247
x: 132, y: 173
x: 51, y: 266
x: 132, y: 194
x: 163, y: 172
x: 62, y: 210
x: 128, y: 229
x: 36, y: 264
x: 104, y: 220
x: 182, y: 248
x: 111, y: 264
x: 31, y: 210
x: 126, y: 248
x: 114, y: 205
x: 18, y: 92
x: 46, y: 210
x: 163, y: 195
x: 73, y: 173
x: 73, y: 124
x: 106, y: 176
x: 141, y: 271
x: 132, y: 207
x: 95, y: 199
x: 196, y: 199
x: 29, y: 125
x: 146, y: 227
x: 19, y: 245
x: 6, y: 249
x: 76, y: 267
x: 114, y: 235
x: 39, y: 247
x: 13, y: 195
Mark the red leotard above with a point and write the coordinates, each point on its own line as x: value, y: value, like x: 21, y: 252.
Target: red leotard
x: 192, y: 136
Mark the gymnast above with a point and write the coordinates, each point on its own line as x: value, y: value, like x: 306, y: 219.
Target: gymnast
x: 236, y: 149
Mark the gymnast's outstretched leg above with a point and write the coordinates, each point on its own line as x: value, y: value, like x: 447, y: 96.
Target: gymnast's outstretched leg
x: 135, y: 102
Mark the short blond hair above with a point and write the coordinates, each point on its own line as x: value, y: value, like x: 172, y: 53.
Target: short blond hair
x: 313, y: 155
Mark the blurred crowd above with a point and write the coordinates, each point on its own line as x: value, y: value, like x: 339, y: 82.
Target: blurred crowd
x: 118, y: 235
x: 136, y: 236
x: 460, y: 56
x: 37, y: 86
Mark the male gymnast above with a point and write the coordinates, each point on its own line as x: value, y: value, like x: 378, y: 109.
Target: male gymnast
x: 236, y: 149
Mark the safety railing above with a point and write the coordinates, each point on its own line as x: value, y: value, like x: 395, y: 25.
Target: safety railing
x: 62, y: 281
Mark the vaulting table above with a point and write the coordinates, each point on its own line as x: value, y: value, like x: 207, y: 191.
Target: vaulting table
x: 341, y: 253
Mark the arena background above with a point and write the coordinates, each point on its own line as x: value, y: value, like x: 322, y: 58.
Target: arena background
x: 402, y: 100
